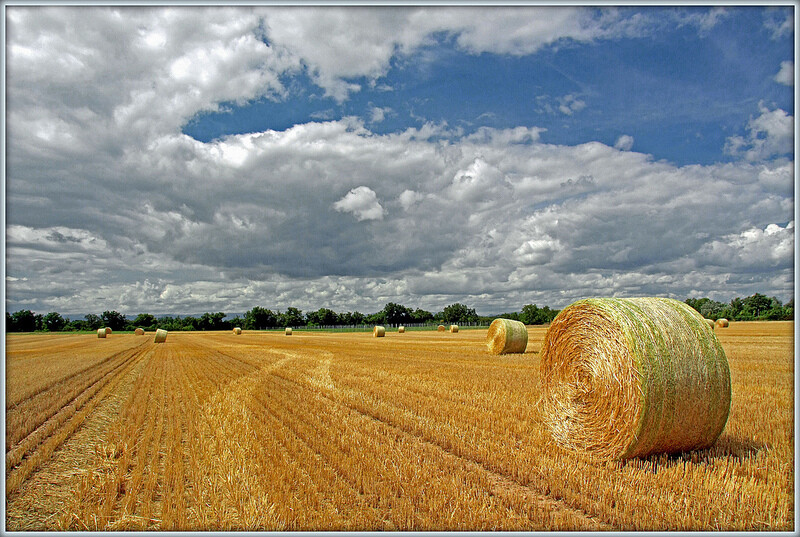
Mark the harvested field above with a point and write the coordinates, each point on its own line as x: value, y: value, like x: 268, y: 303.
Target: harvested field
x: 329, y: 431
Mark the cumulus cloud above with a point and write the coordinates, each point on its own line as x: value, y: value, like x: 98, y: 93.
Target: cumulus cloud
x: 786, y: 75
x: 362, y: 202
x: 771, y: 133
x: 569, y: 104
x: 624, y: 142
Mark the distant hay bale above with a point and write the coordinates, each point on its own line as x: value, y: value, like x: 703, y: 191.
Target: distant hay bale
x: 401, y: 330
x: 379, y: 331
x: 440, y: 328
x: 108, y: 330
x: 288, y: 331
x: 626, y: 378
x: 101, y: 332
x: 139, y: 332
x: 506, y: 336
x: 237, y: 330
x: 161, y: 336
x: 454, y: 328
x: 710, y: 322
x: 722, y: 323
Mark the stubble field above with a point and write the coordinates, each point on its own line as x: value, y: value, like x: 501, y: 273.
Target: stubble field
x: 328, y: 431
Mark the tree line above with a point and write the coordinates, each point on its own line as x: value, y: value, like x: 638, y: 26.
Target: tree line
x: 755, y: 307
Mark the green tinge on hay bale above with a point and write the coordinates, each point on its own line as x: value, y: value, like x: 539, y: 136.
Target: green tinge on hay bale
x: 710, y: 322
x: 631, y: 377
x: 401, y: 330
x: 237, y: 331
x: 506, y: 336
x: 101, y: 332
x: 108, y: 330
x: 454, y: 328
x: 722, y: 323
x: 161, y: 336
x: 379, y: 331
x: 288, y: 331
x: 139, y: 332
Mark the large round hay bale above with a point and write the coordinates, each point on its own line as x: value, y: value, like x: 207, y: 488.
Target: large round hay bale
x: 626, y: 378
x: 288, y: 331
x: 161, y: 336
x: 440, y: 328
x: 139, y: 332
x: 101, y: 332
x: 108, y: 330
x: 506, y: 336
x: 722, y: 323
x: 379, y: 331
x: 237, y: 330
x: 710, y: 322
x: 401, y: 330
x: 454, y: 328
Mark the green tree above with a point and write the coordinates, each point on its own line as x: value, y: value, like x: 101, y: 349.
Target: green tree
x: 395, y: 314
x: 212, y: 321
x: 92, y: 322
x: 756, y: 305
x: 458, y: 313
x: 259, y: 318
x: 421, y: 316
x: 532, y: 314
x: 322, y: 317
x: 54, y: 322
x: 292, y: 317
x: 25, y: 321
x: 145, y: 321
x: 114, y: 320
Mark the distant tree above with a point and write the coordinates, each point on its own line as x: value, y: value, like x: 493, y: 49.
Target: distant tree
x: 25, y: 321
x: 756, y: 305
x: 54, y: 322
x: 395, y: 314
x: 421, y: 316
x: 292, y: 317
x: 9, y: 323
x: 375, y: 318
x: 322, y: 317
x: 92, y: 322
x: 532, y: 314
x: 259, y: 318
x: 113, y: 320
x: 353, y: 318
x: 212, y: 321
x: 145, y: 321
x: 459, y: 313
x: 514, y: 316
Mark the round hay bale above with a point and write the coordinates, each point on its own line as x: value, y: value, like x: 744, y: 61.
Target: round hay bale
x: 506, y: 336
x: 161, y: 336
x: 108, y: 330
x: 401, y: 330
x: 722, y: 323
x: 379, y: 331
x: 101, y: 332
x: 139, y: 332
x: 710, y: 322
x: 288, y: 331
x: 440, y: 328
x: 454, y: 328
x: 626, y: 378
x: 237, y: 331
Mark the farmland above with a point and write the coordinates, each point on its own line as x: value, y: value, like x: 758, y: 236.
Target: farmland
x: 329, y: 431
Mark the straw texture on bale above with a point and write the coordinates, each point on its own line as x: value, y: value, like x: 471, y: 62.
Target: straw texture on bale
x: 625, y: 378
x: 101, y: 332
x: 139, y: 331
x: 710, y: 322
x: 440, y: 328
x: 379, y: 331
x: 288, y: 331
x: 506, y: 336
x: 108, y: 330
x: 237, y: 330
x: 454, y: 328
x: 722, y: 323
x: 401, y: 330
x: 161, y: 336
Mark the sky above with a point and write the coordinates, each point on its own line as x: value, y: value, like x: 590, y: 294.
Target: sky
x: 176, y: 160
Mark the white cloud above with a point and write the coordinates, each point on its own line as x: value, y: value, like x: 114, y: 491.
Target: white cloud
x: 771, y: 133
x: 569, y: 104
x: 777, y: 25
x: 362, y: 202
x: 624, y: 142
x: 378, y: 114
x: 753, y: 249
x: 786, y: 75
x: 409, y: 198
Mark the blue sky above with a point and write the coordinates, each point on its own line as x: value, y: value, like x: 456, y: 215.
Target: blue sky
x: 183, y: 159
x: 678, y: 92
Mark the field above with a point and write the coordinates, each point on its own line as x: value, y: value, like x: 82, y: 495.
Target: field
x: 329, y: 431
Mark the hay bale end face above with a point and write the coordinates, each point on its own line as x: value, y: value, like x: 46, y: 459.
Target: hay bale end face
x: 401, y: 330
x: 101, y: 332
x: 379, y: 331
x: 108, y: 330
x: 454, y: 328
x: 237, y: 331
x: 440, y: 328
x: 161, y: 336
x: 139, y: 332
x: 722, y: 323
x: 625, y: 378
x: 506, y: 336
x: 710, y: 322
x: 288, y: 331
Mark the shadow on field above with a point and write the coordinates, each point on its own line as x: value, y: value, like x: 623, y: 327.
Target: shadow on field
x: 727, y: 446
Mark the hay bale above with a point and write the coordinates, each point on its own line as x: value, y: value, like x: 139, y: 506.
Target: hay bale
x: 440, y: 328
x: 379, y: 331
x: 454, y: 328
x: 161, y: 336
x: 506, y: 336
x: 108, y: 330
x: 288, y: 331
x: 722, y: 323
x: 237, y: 331
x: 626, y: 378
x: 710, y: 322
x: 139, y: 332
x: 401, y: 330
x: 101, y: 332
